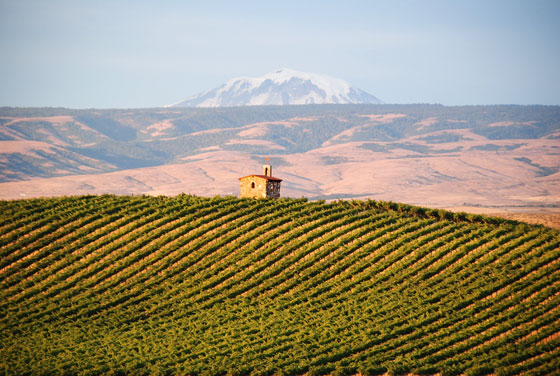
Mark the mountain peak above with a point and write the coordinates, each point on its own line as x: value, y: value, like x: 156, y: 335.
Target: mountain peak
x: 281, y: 87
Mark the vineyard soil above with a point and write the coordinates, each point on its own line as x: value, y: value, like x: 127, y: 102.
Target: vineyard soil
x: 187, y: 285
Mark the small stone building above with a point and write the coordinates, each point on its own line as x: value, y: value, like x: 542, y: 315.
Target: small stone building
x: 261, y: 186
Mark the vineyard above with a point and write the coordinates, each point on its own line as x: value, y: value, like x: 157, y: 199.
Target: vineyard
x: 221, y: 286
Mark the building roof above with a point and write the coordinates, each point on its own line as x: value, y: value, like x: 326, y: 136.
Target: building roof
x: 262, y: 177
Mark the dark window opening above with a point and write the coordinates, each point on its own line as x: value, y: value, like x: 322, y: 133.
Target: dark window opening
x: 253, y: 184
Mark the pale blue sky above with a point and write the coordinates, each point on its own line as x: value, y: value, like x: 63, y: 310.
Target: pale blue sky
x: 103, y: 54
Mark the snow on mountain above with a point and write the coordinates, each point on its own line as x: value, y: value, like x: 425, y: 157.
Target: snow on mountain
x: 280, y: 87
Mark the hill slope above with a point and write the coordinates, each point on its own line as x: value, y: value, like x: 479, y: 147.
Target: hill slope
x: 205, y: 286
x: 428, y: 155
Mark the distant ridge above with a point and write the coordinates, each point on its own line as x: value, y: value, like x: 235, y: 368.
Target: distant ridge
x: 281, y: 87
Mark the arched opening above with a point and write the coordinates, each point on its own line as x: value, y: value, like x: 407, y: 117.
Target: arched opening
x: 252, y: 184
x: 266, y: 171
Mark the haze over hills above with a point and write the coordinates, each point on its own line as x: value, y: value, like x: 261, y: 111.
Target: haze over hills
x: 281, y: 87
x: 429, y: 155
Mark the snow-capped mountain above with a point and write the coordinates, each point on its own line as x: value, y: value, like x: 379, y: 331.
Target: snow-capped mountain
x: 281, y: 87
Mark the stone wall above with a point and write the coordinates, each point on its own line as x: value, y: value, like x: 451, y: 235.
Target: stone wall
x: 262, y: 187
x: 259, y: 191
x: 273, y: 189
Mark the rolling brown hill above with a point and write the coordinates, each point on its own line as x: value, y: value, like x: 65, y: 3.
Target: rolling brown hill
x: 493, y: 157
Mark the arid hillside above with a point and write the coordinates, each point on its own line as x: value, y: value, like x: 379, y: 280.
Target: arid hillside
x: 473, y: 156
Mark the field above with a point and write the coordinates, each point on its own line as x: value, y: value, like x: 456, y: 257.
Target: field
x: 187, y: 285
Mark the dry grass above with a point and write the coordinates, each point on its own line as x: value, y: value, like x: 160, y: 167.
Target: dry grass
x: 551, y: 220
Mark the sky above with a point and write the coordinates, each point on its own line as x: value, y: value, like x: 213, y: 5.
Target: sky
x: 131, y: 54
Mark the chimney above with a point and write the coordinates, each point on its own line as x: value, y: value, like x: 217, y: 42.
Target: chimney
x: 267, y: 168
